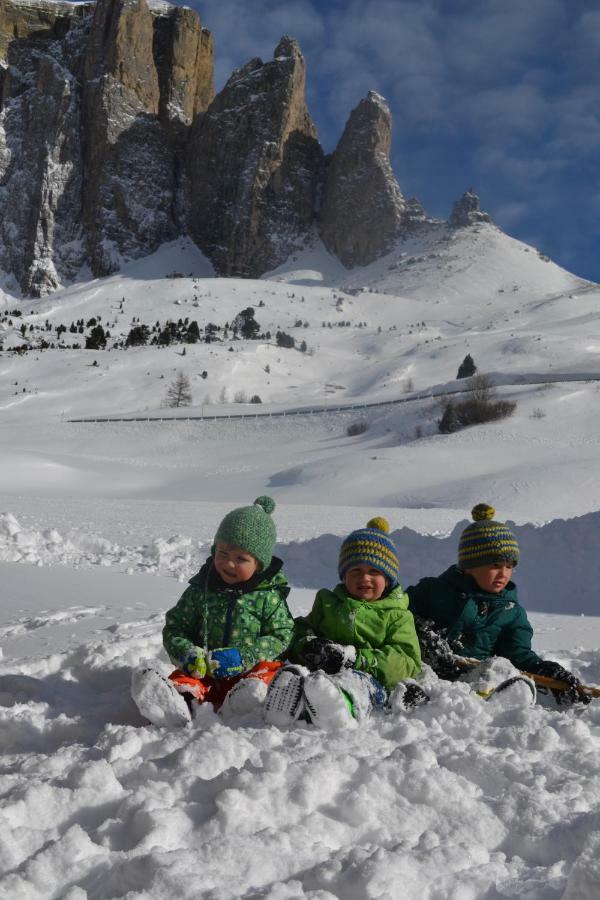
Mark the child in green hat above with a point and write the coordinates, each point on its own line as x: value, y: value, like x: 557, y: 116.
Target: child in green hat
x: 228, y: 627
x: 472, y: 611
x: 357, y: 644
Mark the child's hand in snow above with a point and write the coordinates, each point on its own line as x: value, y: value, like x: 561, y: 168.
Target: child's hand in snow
x: 571, y: 695
x: 319, y: 653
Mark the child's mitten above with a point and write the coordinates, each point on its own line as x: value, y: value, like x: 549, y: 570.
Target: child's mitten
x: 436, y: 651
x: 224, y: 662
x: 319, y: 653
x: 571, y: 695
x: 194, y: 663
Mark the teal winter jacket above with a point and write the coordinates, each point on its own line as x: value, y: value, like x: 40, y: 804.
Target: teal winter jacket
x: 485, y: 624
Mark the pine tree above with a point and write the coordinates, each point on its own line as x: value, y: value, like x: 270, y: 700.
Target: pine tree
x: 138, y: 336
x: 179, y: 393
x: 192, y: 335
x: 450, y: 420
x: 96, y: 339
x: 246, y: 324
x: 467, y: 367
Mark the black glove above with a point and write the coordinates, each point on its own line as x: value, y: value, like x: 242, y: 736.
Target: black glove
x: 319, y: 653
x: 436, y: 651
x: 550, y: 669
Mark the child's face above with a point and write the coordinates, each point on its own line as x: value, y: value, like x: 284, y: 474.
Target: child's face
x: 492, y: 578
x: 365, y: 583
x: 234, y: 564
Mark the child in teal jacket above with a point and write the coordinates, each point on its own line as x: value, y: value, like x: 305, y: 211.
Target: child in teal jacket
x: 472, y: 609
x: 357, y: 642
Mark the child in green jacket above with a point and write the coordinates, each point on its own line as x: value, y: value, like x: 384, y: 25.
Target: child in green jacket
x: 228, y: 628
x: 472, y: 611
x: 357, y: 643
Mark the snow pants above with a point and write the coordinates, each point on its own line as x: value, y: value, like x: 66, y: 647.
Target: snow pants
x: 214, y: 690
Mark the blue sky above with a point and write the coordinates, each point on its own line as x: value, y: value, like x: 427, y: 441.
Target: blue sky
x: 501, y: 95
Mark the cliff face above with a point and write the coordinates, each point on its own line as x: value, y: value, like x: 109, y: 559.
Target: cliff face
x: 255, y: 165
x: 363, y: 208
x: 112, y: 142
x: 96, y: 104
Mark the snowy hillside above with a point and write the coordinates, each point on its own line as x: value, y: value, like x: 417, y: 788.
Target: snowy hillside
x: 101, y: 524
x: 529, y: 324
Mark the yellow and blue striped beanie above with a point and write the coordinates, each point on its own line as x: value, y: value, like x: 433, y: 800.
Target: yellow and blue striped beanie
x: 485, y: 541
x: 370, y: 546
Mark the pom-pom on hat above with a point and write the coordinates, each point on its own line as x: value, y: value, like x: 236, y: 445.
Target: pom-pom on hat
x: 251, y: 528
x: 370, y: 546
x: 486, y: 541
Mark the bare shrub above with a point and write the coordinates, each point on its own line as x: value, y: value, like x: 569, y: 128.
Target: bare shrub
x: 481, y: 387
x: 538, y: 413
x: 473, y: 412
x: 477, y: 412
x: 357, y: 428
x: 240, y: 397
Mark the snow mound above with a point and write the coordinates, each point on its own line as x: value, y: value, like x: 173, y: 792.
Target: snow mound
x: 458, y: 795
x: 175, y: 555
x: 558, y: 560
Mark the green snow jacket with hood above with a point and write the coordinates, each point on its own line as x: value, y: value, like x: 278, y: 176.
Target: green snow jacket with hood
x: 382, y: 631
x: 252, y: 616
x: 484, y: 624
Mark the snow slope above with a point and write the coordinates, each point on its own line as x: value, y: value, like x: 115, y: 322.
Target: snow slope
x: 102, y: 523
x: 457, y: 799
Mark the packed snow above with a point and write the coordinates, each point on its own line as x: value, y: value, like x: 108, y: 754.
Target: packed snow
x: 102, y: 523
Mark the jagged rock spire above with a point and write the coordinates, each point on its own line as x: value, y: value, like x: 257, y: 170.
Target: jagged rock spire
x: 255, y: 164
x: 467, y: 211
x: 363, y: 208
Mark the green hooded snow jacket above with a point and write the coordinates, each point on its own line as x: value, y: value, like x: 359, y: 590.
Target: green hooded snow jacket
x: 253, y: 616
x: 485, y: 624
x: 383, y: 632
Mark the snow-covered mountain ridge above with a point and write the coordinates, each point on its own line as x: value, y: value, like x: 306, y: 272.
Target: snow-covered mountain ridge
x: 395, y: 330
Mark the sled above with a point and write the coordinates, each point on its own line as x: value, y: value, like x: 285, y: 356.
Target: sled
x: 552, y: 684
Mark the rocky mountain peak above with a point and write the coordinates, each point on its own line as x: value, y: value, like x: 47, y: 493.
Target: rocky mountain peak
x: 363, y: 207
x: 467, y: 211
x: 287, y: 47
x: 97, y: 100
x: 255, y: 165
x: 113, y: 142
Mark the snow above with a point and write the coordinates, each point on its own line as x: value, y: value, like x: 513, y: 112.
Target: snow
x: 101, y: 524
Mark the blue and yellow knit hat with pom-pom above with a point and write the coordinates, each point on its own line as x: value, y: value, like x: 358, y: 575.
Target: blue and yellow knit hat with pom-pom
x: 251, y: 528
x: 370, y: 546
x: 486, y: 541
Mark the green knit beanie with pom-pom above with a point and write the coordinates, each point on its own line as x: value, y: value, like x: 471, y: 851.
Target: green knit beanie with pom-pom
x: 486, y: 541
x: 251, y: 528
x: 370, y: 546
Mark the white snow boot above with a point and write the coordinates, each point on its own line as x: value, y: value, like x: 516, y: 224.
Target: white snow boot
x: 157, y: 698
x: 497, y: 679
x: 519, y: 690
x: 247, y: 696
x: 328, y: 706
x: 284, y: 702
